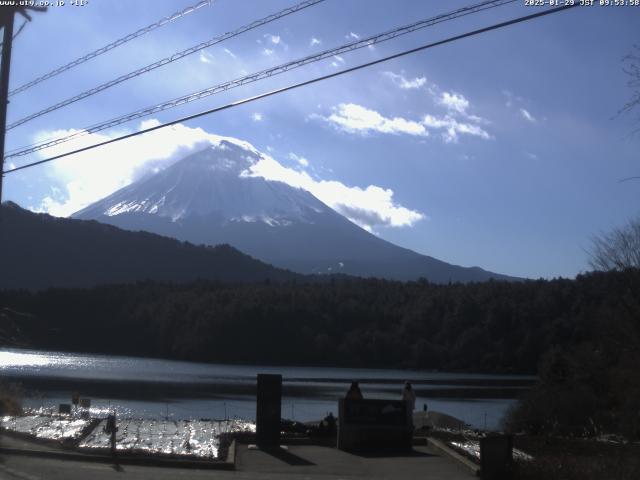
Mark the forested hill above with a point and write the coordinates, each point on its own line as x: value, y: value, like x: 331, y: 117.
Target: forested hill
x: 41, y: 251
x: 491, y: 327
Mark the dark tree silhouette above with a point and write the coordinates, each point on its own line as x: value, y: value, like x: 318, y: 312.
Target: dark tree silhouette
x: 632, y: 69
x: 588, y: 382
x: 618, y: 249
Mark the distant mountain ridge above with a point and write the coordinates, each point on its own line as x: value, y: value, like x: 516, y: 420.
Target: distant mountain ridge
x: 210, y: 197
x: 40, y: 251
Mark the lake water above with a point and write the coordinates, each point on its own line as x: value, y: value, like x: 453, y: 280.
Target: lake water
x: 154, y: 388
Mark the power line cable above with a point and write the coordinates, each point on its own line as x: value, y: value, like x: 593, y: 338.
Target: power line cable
x: 24, y: 23
x: 262, y: 74
x: 167, y: 60
x: 253, y: 77
x: 121, y: 41
x: 301, y: 84
x: 628, y: 179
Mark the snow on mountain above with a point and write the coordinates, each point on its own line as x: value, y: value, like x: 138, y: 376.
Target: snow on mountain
x: 212, y: 197
x: 214, y: 181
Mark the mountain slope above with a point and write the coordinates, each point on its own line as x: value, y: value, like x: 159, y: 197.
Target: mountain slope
x: 40, y: 251
x: 211, y: 197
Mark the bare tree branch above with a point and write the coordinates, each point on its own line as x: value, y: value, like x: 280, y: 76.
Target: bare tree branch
x: 618, y: 249
x: 631, y: 67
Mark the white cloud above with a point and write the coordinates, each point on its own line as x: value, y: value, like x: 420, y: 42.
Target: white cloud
x: 89, y: 176
x: 301, y: 160
x: 453, y: 128
x: 403, y: 83
x: 457, y: 105
x: 230, y: 53
x: 355, y: 118
x: 275, y: 39
x: 531, y: 155
x: 527, y: 116
x: 352, y: 36
x: 370, y: 207
x: 338, y: 61
x: 477, y: 119
x: 205, y: 57
x: 268, y: 52
x: 12, y: 165
x: 454, y: 102
x: 511, y: 98
x: 256, y: 117
x: 315, y: 41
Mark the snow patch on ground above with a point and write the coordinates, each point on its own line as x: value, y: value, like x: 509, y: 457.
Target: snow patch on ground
x: 46, y: 427
x: 473, y: 449
x: 199, y: 438
x: 196, y: 438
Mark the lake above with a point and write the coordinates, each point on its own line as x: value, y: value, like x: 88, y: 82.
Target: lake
x: 155, y: 388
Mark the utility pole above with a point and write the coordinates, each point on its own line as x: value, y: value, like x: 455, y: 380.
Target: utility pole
x: 7, y: 40
x: 7, y: 14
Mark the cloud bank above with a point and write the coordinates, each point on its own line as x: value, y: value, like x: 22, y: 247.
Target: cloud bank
x: 353, y: 118
x: 87, y: 177
x: 457, y: 121
x: 356, y: 118
x: 368, y: 207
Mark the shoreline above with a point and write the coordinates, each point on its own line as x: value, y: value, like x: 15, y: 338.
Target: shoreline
x: 158, y: 390
x: 523, y: 376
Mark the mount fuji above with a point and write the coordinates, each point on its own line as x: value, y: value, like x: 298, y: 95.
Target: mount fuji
x: 211, y: 197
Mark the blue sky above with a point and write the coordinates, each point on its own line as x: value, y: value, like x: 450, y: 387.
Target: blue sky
x: 502, y: 150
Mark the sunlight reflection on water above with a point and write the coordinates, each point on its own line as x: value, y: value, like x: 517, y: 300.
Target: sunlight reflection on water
x: 24, y: 360
x: 221, y: 391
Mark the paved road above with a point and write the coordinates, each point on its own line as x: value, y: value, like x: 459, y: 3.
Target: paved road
x: 322, y: 462
x: 307, y: 462
x: 31, y: 468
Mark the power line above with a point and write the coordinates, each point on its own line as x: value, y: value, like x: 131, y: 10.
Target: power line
x: 167, y: 60
x: 628, y: 179
x: 253, y: 77
x: 24, y: 23
x: 160, y: 23
x: 264, y: 74
x: 302, y: 84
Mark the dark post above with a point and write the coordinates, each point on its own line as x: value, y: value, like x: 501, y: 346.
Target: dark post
x: 496, y: 457
x: 268, y: 407
x: 111, y: 428
x: 7, y: 39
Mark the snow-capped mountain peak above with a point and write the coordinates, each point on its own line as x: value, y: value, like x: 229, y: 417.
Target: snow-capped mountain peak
x: 214, y: 196
x: 213, y: 182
